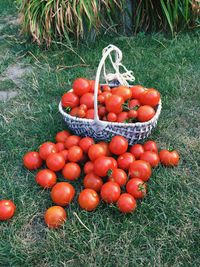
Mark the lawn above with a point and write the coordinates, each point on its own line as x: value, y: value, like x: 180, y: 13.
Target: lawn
x: 164, y: 230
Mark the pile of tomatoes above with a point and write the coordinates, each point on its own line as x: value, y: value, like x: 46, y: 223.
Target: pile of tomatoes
x: 120, y: 104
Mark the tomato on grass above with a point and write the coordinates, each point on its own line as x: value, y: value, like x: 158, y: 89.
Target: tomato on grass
x: 95, y: 151
x: 126, y: 203
x: 72, y: 140
x: 124, y: 160
x: 169, y: 158
x: 140, y: 169
x: 119, y: 176
x: 46, y: 178
x: 88, y: 199
x: 136, y: 187
x: 102, y: 165
x: 62, y: 193
x: 88, y: 167
x: 55, y: 216
x: 85, y: 143
x: 71, y: 171
x: 151, y: 157
x: 93, y: 181
x: 32, y: 160
x: 62, y: 136
x: 118, y: 145
x: 7, y: 209
x: 110, y: 192
x: 55, y: 162
x: 75, y: 153
x: 150, y: 146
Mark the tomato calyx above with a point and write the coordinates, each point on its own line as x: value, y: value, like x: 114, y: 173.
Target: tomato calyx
x: 109, y: 172
x: 126, y: 107
x: 68, y: 109
x: 141, y: 187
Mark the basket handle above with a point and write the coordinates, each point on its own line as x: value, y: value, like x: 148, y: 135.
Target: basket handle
x: 121, y: 77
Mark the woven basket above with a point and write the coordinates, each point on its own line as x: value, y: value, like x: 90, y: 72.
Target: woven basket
x: 104, y: 130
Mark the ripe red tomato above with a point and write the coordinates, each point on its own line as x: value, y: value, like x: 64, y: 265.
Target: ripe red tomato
x: 46, y: 149
x: 122, y: 91
x: 72, y: 140
x: 90, y: 114
x: 92, y: 84
x: 122, y: 116
x: 62, y: 136
x: 64, y: 153
x: 74, y: 112
x: 70, y: 100
x: 101, y: 99
x: 55, y: 216
x: 151, y: 157
x: 102, y: 165
x: 124, y: 161
x: 71, y: 171
x: 93, y: 181
x: 62, y: 193
x: 169, y: 158
x: 110, y: 192
x: 140, y: 169
x: 132, y: 114
x: 81, y: 113
x: 119, y: 176
x: 118, y: 145
x: 150, y: 97
x: 136, y: 187
x: 55, y: 162
x: 95, y: 151
x: 7, y: 209
x: 145, y: 113
x: 105, y: 147
x: 75, y: 153
x: 88, y: 167
x: 46, y: 178
x: 114, y: 104
x: 32, y: 160
x: 106, y: 88
x: 137, y: 150
x: 101, y: 111
x: 60, y: 146
x: 81, y: 86
x: 150, y: 146
x: 137, y: 90
x: 114, y: 162
x: 85, y: 143
x: 83, y: 107
x: 133, y: 103
x: 88, y: 100
x: 88, y: 199
x: 111, y: 117
x: 126, y: 203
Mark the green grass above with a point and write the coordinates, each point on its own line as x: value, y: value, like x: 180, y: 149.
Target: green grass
x: 164, y: 230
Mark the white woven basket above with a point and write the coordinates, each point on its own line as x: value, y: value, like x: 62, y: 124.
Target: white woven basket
x: 104, y: 130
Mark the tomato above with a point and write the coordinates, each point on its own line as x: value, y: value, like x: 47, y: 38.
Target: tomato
x: 71, y: 171
x: 55, y: 162
x: 114, y: 104
x: 74, y: 112
x: 85, y: 143
x: 93, y: 181
x: 104, y: 118
x: 150, y: 146
x: 124, y: 160
x: 81, y: 86
x: 145, y: 113
x: 169, y: 158
x: 92, y: 84
x: 122, y: 116
x: 114, y: 162
x: 81, y: 113
x: 83, y: 107
x: 88, y: 167
x: 106, y: 95
x: 46, y: 149
x: 106, y: 88
x: 133, y: 103
x: 95, y: 151
x: 137, y: 90
x: 150, y: 97
x: 119, y: 176
x: 64, y: 153
x: 110, y: 192
x: 122, y: 91
x: 136, y: 187
x: 62, y: 193
x: 72, y: 140
x: 101, y: 111
x: 55, y: 216
x: 111, y: 117
x: 70, y: 99
x: 105, y: 147
x: 32, y: 160
x: 150, y: 157
x: 126, y: 203
x: 75, y: 153
x: 101, y: 99
x: 140, y: 169
x: 132, y: 114
x: 88, y: 199
x: 102, y: 165
x: 46, y: 178
x: 84, y: 158
x: 62, y: 136
x: 90, y: 114
x: 88, y: 100
x: 7, y: 209
x: 118, y: 145
x: 60, y: 146
x: 137, y: 150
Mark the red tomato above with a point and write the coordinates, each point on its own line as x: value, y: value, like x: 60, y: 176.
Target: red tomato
x: 62, y: 136
x: 145, y: 113
x: 102, y: 165
x: 81, y: 113
x: 88, y: 199
x: 81, y: 86
x: 55, y: 162
x: 104, y: 118
x: 90, y: 114
x: 88, y: 167
x: 74, y: 112
x: 110, y: 192
x: 55, y: 216
x: 95, y: 151
x: 101, y: 111
x: 133, y: 103
x: 140, y: 169
x: 32, y: 160
x: 132, y: 114
x: 105, y: 147
x: 85, y: 143
x: 169, y: 158
x: 72, y: 140
x: 114, y: 104
x: 101, y: 99
x: 114, y: 162
x: 137, y: 150
x: 92, y: 84
x: 70, y: 100
x: 124, y: 161
x: 46, y: 178
x: 71, y: 171
x: 83, y: 107
x: 106, y: 88
x: 62, y: 193
x: 136, y: 187
x: 122, y: 116
x: 60, y: 146
x: 84, y: 159
x: 122, y: 91
x: 75, y: 153
x: 150, y: 157
x: 106, y: 95
x: 150, y: 146
x: 137, y: 90
x: 7, y: 209
x: 111, y: 117
x: 46, y: 149
x: 126, y: 203
x: 64, y: 153
x: 88, y: 100
x: 119, y: 176
x: 118, y: 145
x: 150, y: 97
x: 93, y: 181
